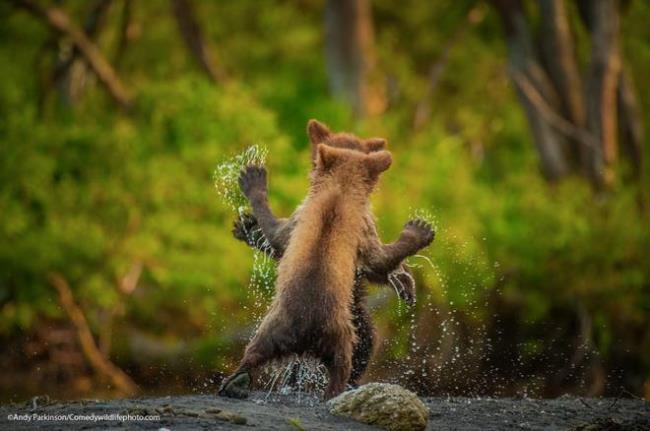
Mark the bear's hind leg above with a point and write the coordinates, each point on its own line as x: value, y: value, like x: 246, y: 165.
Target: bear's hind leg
x: 339, y: 366
x: 258, y: 352
x: 338, y: 376
x: 364, y: 345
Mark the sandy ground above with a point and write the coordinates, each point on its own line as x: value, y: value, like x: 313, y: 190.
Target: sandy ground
x: 203, y: 412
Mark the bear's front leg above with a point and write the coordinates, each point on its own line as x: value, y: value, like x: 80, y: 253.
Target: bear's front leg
x: 252, y: 182
x: 416, y: 235
x: 247, y: 229
x: 401, y: 279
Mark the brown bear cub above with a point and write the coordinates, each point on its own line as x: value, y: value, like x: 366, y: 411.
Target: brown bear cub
x: 271, y: 235
x: 310, y: 313
x: 279, y: 231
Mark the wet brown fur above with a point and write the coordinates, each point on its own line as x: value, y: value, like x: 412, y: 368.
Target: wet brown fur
x: 247, y: 229
x: 278, y: 236
x: 311, y: 312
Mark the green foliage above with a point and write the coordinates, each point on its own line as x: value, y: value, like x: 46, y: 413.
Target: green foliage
x: 88, y: 200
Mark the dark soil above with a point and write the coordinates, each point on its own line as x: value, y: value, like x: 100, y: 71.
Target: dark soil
x: 202, y: 412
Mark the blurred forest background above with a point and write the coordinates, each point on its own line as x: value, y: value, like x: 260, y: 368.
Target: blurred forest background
x: 518, y: 124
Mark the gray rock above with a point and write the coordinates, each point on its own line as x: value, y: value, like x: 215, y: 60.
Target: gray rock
x: 387, y: 406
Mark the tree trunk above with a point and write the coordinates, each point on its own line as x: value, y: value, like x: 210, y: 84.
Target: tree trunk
x: 125, y: 24
x: 192, y: 36
x: 522, y: 61
x: 630, y: 124
x: 71, y: 70
x: 100, y: 363
x: 585, y: 115
x: 601, y: 88
x: 558, y: 50
x: 59, y: 21
x: 351, y: 62
x: 559, y: 58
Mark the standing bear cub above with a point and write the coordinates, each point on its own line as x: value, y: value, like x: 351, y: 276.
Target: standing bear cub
x: 310, y: 313
x: 269, y: 234
x: 377, y: 262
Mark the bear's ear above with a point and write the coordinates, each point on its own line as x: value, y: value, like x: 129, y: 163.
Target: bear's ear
x: 378, y: 162
x: 317, y: 131
x: 375, y: 144
x: 326, y: 156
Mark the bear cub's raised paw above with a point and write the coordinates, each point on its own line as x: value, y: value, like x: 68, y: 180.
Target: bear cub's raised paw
x: 252, y: 181
x: 245, y: 228
x: 419, y: 231
x: 403, y: 282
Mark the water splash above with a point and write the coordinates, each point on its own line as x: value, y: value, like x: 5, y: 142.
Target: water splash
x: 226, y: 176
x: 302, y: 378
x: 427, y: 215
x: 458, y: 297
x: 226, y: 183
x: 422, y: 363
x: 456, y: 343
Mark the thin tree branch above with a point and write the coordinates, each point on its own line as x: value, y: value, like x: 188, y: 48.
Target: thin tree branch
x: 90, y: 28
x: 522, y: 59
x: 551, y: 116
x: 125, y: 23
x: 601, y: 86
x: 192, y: 36
x: 630, y: 123
x: 59, y: 21
x: 558, y: 53
x: 97, y: 360
x: 129, y: 282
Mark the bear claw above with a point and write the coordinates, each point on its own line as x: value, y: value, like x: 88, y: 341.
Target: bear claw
x: 252, y: 179
x: 243, y: 228
x: 421, y: 230
x: 406, y: 288
x: 236, y: 386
